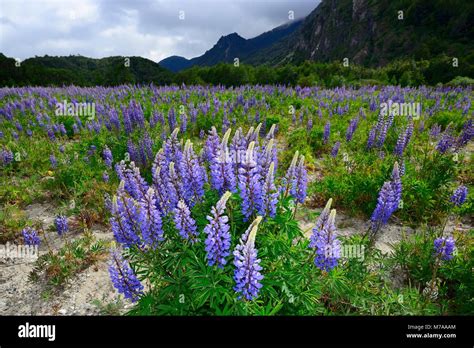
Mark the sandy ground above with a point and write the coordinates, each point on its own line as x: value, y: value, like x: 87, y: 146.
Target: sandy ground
x: 85, y: 294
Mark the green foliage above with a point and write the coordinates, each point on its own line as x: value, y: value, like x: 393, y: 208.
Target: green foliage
x: 415, y: 256
x: 58, y: 267
x: 82, y: 71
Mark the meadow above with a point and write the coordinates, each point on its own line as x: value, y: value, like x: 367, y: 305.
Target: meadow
x: 233, y: 201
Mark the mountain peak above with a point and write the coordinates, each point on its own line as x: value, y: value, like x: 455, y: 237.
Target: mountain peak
x: 234, y: 37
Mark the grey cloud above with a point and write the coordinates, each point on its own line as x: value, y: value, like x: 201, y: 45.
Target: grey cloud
x: 148, y: 28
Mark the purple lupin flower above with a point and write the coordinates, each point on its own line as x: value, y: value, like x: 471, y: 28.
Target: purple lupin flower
x: 326, y: 245
x: 134, y: 183
x: 31, y: 236
x: 397, y: 186
x: 371, y: 138
x: 383, y: 134
x: 300, y: 182
x: 322, y: 220
x: 174, y: 186
x: 403, y: 140
x: 384, y: 208
x: 133, y: 151
x: 61, y: 224
x: 184, y: 122
x: 150, y: 219
x: 193, y: 175
x: 6, y: 156
x: 249, y: 183
x: 222, y: 173
x: 388, y: 201
x: 444, y: 248
x: 435, y: 131
x: 160, y: 185
x: 459, y: 196
x: 124, y: 278
x: 218, y: 235
x: 402, y: 169
x: 327, y: 132
x: 446, y: 141
x: 124, y: 223
x: 247, y: 274
x: 290, y: 174
x: 105, y: 176
x: 171, y: 118
x: 172, y: 149
x: 268, y: 156
x: 53, y: 161
x: 351, y: 128
x: 466, y: 135
x: 185, y: 224
x: 51, y: 135
x: 212, y: 145
x: 107, y: 156
x: 335, y: 149
x: 269, y: 194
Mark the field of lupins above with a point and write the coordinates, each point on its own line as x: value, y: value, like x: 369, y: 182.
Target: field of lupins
x: 203, y: 189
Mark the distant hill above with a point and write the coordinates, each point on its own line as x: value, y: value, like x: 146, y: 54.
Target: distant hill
x: 175, y: 63
x: 232, y: 46
x: 82, y: 71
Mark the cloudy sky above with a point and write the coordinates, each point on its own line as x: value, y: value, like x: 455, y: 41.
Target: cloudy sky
x: 154, y: 29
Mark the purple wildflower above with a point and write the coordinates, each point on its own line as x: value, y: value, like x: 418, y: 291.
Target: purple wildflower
x: 107, y: 156
x: 290, y: 174
x: 335, y: 149
x: 300, y: 182
x: 247, y: 274
x: 459, y: 196
x: 435, y: 131
x: 124, y: 278
x: 371, y: 138
x: 6, y: 157
x: 212, y: 145
x: 351, y: 128
x: 322, y: 220
x: 326, y: 244
x: 446, y: 141
x: 466, y: 135
x: 61, y: 224
x: 269, y: 194
x: 444, y: 248
x: 54, y: 162
x: 222, y: 174
x: 249, y: 183
x: 384, y: 208
x: 31, y: 236
x: 194, y: 175
x: 125, y: 212
x: 184, y: 222
x: 151, y: 224
x: 218, y: 235
x: 327, y: 132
